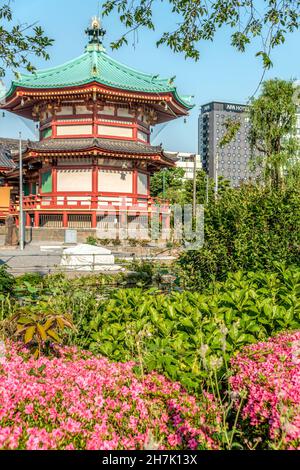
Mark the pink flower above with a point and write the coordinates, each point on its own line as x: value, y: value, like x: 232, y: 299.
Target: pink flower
x: 29, y: 409
x: 86, y: 402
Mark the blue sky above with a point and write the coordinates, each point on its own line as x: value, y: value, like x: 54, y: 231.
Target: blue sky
x: 220, y: 74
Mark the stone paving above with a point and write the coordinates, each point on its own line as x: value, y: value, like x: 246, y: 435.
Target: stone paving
x: 32, y: 259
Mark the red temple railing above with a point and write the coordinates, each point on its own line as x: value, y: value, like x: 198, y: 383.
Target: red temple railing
x: 99, y: 202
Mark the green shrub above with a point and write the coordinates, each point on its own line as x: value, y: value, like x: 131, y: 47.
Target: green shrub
x: 7, y: 281
x: 183, y: 334
x: 248, y: 229
x: 92, y: 241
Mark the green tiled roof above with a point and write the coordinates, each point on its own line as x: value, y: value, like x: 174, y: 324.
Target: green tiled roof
x: 96, y: 66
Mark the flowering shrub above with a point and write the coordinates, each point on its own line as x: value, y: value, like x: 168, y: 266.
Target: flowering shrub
x: 80, y: 401
x: 269, y: 373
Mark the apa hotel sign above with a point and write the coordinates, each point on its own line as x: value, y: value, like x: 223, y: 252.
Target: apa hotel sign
x: 235, y: 108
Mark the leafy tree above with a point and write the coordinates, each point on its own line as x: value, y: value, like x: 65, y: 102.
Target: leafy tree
x: 272, y: 128
x: 168, y: 184
x: 19, y: 41
x: 197, y: 20
x: 201, y: 188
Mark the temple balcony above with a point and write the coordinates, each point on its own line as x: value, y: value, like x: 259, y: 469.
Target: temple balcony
x: 99, y: 203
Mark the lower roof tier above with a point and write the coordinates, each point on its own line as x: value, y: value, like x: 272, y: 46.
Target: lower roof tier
x: 97, y: 147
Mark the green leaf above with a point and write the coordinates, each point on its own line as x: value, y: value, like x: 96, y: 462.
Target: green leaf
x: 53, y: 335
x: 29, y: 333
x: 41, y: 331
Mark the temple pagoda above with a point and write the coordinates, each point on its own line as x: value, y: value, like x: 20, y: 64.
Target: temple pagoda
x: 94, y: 157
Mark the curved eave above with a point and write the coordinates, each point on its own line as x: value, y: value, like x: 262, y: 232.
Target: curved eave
x: 159, y: 158
x: 16, y: 93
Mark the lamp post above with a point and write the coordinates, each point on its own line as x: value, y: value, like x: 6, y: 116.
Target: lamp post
x: 21, y: 213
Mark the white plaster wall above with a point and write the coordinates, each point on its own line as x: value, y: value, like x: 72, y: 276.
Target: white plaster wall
x: 115, y: 131
x: 74, y: 180
x: 74, y: 130
x: 115, y: 181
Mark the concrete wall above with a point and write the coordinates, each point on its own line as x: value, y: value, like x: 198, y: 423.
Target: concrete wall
x: 39, y: 234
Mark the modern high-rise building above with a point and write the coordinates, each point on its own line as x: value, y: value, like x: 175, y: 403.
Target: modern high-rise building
x: 186, y: 161
x: 233, y: 160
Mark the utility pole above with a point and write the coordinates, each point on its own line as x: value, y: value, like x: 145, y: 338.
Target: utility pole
x: 164, y: 184
x: 194, y: 185
x: 21, y: 213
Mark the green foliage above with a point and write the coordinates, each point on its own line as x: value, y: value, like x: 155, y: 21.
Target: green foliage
x: 272, y: 128
x: 196, y: 21
x: 248, y: 228
x: 19, y: 41
x: 7, y: 281
x: 232, y: 126
x: 141, y: 273
x: 92, y: 241
x: 202, y: 189
x: 38, y: 326
x: 186, y: 335
x: 168, y: 184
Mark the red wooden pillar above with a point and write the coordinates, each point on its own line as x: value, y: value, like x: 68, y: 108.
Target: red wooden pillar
x: 135, y: 131
x: 54, y: 180
x: 134, y: 185
x: 95, y: 124
x: 94, y: 219
x: 28, y: 220
x: 36, y: 219
x: 94, y: 197
x: 65, y: 220
x: 95, y: 183
x: 54, y: 185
